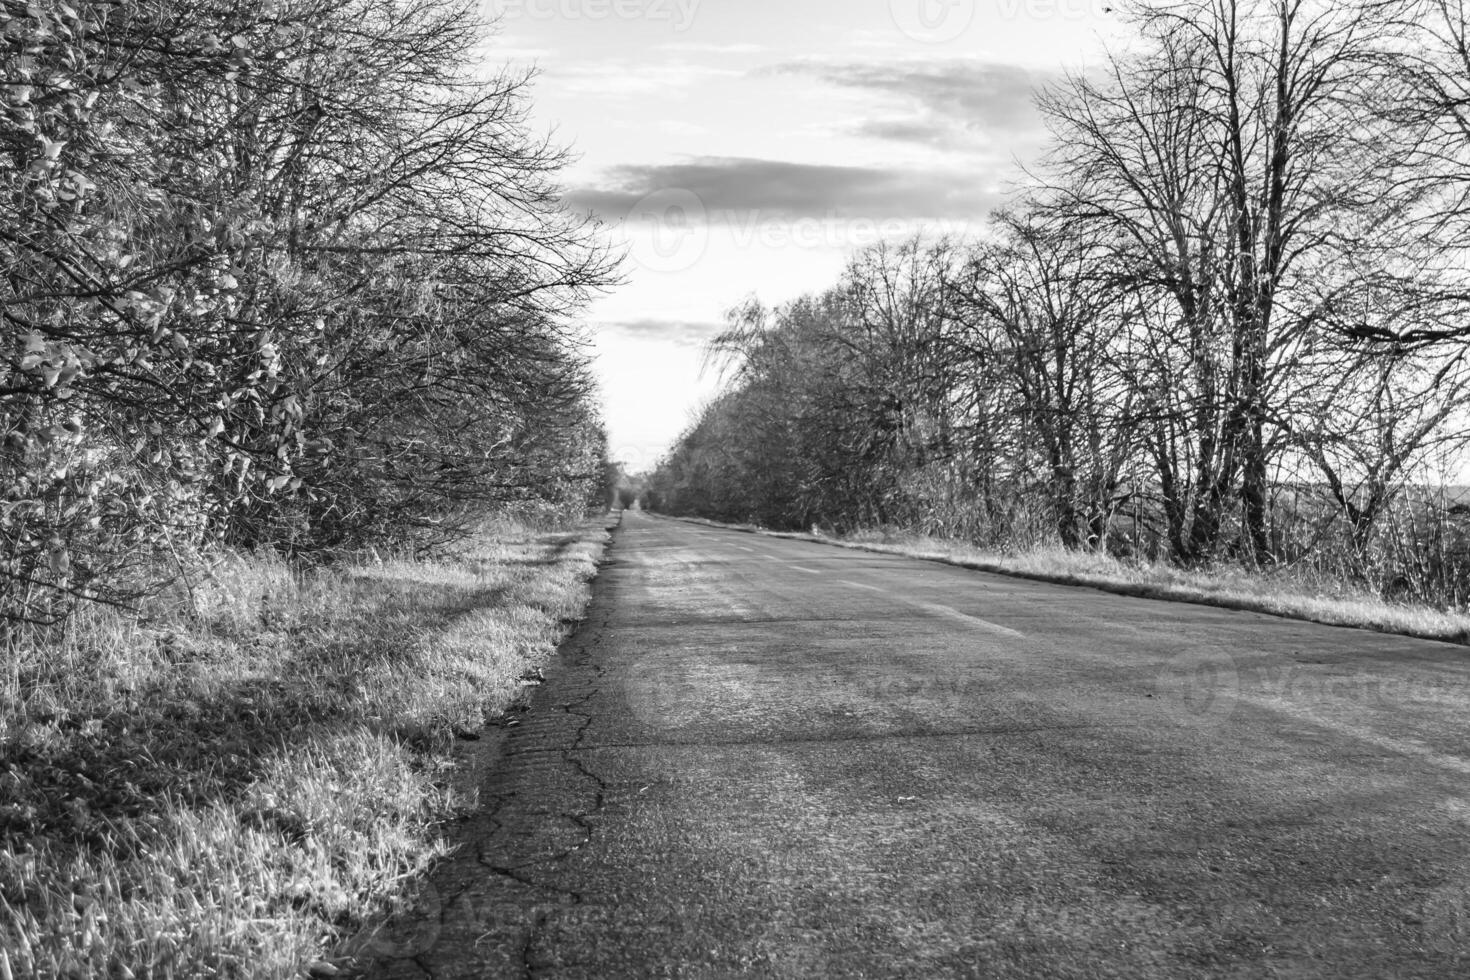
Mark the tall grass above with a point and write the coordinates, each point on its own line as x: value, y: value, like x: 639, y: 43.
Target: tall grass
x: 231, y: 783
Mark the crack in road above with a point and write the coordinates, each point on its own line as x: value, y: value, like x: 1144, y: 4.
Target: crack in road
x: 838, y: 806
x: 528, y: 966
x: 582, y: 818
x: 461, y: 902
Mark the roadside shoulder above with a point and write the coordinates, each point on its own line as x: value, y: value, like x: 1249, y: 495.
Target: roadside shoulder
x: 1232, y: 588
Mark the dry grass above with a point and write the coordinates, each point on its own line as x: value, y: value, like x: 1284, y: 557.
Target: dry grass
x: 230, y: 793
x: 1286, y: 591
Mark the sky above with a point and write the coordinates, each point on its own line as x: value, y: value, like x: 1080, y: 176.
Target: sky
x: 738, y: 148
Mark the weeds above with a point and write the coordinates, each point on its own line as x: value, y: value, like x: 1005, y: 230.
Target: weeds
x: 228, y: 786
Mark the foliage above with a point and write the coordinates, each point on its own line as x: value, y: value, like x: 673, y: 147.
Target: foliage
x: 281, y: 274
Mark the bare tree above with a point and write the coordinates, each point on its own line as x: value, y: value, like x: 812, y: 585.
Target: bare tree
x: 1223, y: 159
x: 1043, y: 307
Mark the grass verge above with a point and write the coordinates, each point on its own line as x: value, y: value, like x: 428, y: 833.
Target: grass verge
x: 232, y: 792
x: 1294, y: 593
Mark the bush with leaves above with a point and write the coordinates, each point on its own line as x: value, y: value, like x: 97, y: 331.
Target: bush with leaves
x: 234, y: 235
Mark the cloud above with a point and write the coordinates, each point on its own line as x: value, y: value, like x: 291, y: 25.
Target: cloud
x: 944, y: 102
x: 494, y: 52
x: 679, y: 333
x: 928, y: 133
x: 689, y: 47
x: 733, y: 188
x: 621, y: 78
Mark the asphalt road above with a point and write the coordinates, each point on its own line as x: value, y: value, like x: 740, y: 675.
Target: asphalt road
x: 763, y: 757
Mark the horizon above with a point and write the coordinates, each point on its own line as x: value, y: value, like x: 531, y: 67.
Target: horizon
x: 749, y: 149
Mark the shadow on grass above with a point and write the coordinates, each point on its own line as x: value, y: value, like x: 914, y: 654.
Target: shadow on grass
x: 203, y: 796
x: 226, y: 705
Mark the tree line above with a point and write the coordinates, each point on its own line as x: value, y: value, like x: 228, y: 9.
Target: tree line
x: 286, y: 274
x: 1225, y: 320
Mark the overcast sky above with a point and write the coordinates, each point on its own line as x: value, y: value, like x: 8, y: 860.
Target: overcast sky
x: 740, y: 147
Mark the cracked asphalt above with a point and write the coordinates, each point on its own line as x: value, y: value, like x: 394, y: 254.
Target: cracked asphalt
x: 762, y: 757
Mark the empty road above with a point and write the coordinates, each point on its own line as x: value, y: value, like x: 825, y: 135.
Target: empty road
x: 762, y: 757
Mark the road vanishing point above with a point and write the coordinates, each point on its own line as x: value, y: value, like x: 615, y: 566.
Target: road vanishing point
x: 774, y: 758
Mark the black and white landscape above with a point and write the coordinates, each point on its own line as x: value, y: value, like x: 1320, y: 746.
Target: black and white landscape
x: 630, y: 488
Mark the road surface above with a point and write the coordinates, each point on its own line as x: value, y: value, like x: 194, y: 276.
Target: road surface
x: 763, y: 757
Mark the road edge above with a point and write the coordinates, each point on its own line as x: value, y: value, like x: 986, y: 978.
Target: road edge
x: 1162, y: 593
